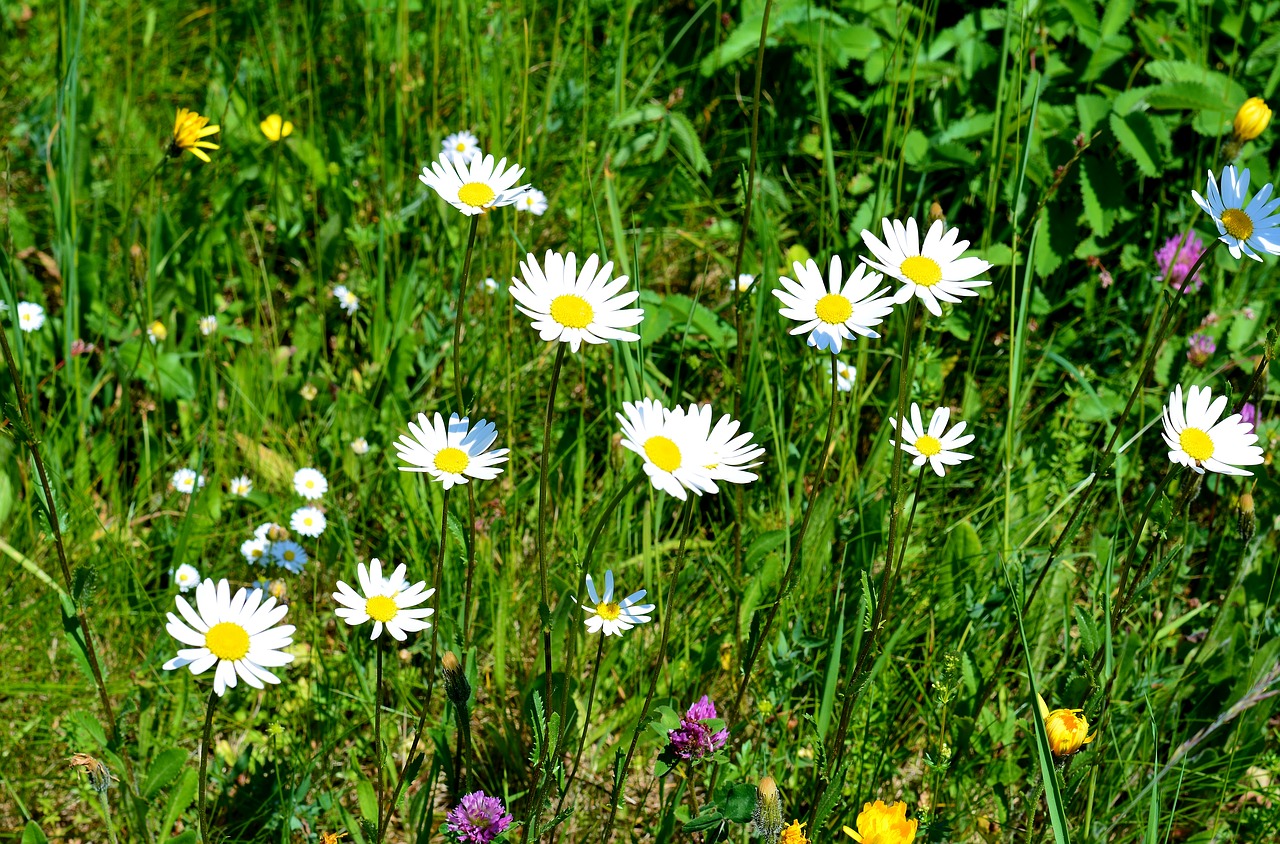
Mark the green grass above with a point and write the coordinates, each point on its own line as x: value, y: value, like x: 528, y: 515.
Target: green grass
x: 1062, y: 138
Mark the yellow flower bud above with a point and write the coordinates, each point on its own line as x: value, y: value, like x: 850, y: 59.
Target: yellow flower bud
x: 1068, y: 729
x: 1252, y: 119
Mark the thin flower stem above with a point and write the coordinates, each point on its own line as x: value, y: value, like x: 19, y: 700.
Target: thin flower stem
x: 586, y: 725
x: 797, y: 553
x: 545, y: 608
x: 385, y: 816
x: 459, y: 301
x: 204, y: 763
x: 887, y: 587
x: 106, y: 815
x: 377, y: 733
x: 668, y: 611
x: 471, y: 568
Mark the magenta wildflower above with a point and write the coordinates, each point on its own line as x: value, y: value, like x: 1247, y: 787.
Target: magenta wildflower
x: 1202, y: 346
x: 1176, y: 257
x: 693, y: 739
x: 1249, y: 415
x: 478, y: 819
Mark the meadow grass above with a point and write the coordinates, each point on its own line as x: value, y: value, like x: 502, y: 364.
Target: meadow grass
x: 867, y: 629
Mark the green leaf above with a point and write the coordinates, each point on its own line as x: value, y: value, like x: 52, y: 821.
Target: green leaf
x: 706, y: 820
x: 1099, y: 181
x: 740, y: 803
x: 367, y: 799
x: 1192, y: 96
x: 1136, y: 137
x: 1115, y: 17
x: 179, y: 799
x: 686, y: 140
x: 32, y: 834
x: 1243, y: 328
x: 1092, y: 109
x: 1089, y: 639
x: 163, y: 770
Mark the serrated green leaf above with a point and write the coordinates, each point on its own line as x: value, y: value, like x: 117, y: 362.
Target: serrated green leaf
x: 1089, y: 639
x: 740, y: 803
x: 1193, y: 96
x: 1092, y: 109
x: 180, y: 798
x: 163, y: 770
x: 1136, y: 137
x: 1098, y: 189
x: 686, y: 140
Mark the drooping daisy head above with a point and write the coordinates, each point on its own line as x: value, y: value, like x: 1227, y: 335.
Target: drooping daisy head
x: 240, y: 486
x: 186, y: 481
x: 675, y: 455
x: 881, y: 824
x: 308, y: 521
x: 310, y: 484
x: 388, y: 601
x: 1245, y: 227
x: 30, y: 316
x: 275, y: 128
x: 933, y: 270
x: 189, y: 132
x: 845, y: 375
x: 937, y: 445
x: 836, y: 310
x: 453, y: 454
x: 461, y: 147
x: 611, y: 616
x: 289, y: 555
x: 575, y: 307
x: 534, y: 201
x: 185, y: 577
x: 236, y: 633
x: 1197, y: 439
x: 729, y: 453
x: 476, y: 187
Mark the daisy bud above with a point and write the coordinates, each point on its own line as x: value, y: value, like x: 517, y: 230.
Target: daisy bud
x: 935, y: 212
x: 767, y: 817
x: 1068, y: 729
x: 1246, y: 522
x: 99, y: 776
x: 1252, y: 119
x: 277, y: 534
x: 455, y: 680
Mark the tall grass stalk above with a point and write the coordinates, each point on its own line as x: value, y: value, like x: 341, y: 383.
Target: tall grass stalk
x: 377, y: 733
x: 203, y: 785
x: 545, y: 607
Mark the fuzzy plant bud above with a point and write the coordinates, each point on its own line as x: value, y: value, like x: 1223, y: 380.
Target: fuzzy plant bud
x: 1252, y: 119
x: 1246, y: 521
x: 99, y: 776
x: 455, y: 680
x: 767, y: 817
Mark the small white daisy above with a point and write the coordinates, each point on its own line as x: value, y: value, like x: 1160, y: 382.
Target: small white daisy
x: 389, y: 601
x: 274, y: 588
x: 30, y: 316
x: 185, y: 577
x: 1197, y: 439
x: 256, y: 551
x: 347, y: 300
x: 451, y: 455
x: 238, y: 634
x: 933, y: 271
x: 308, y: 521
x: 240, y: 485
x: 157, y: 332
x: 1245, y: 228
x: 614, y: 617
x: 491, y: 285
x: 289, y: 555
x: 360, y: 445
x: 186, y: 481
x: 269, y: 532
x: 572, y: 306
x: 461, y: 147
x: 310, y: 484
x: 743, y: 284
x: 476, y: 187
x: 730, y: 453
x: 675, y: 454
x: 936, y: 445
x: 833, y: 312
x: 534, y: 201
x: 208, y: 324
x: 845, y: 375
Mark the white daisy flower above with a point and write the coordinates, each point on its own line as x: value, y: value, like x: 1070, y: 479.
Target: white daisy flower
x: 461, y: 147
x: 30, y: 316
x: 289, y: 555
x: 185, y: 577
x: 743, y: 284
x: 936, y: 445
x: 360, y: 445
x: 451, y: 455
x: 237, y: 634
x: 1197, y: 439
x: 730, y: 453
x: 491, y: 285
x: 308, y: 521
x: 572, y: 306
x: 845, y: 375
x: 240, y: 485
x: 347, y: 300
x: 675, y: 453
x: 475, y: 187
x: 268, y: 531
x: 834, y: 312
x: 157, y: 332
x: 186, y: 481
x: 933, y: 271
x: 389, y: 601
x: 1245, y: 228
x: 208, y: 324
x: 274, y: 588
x: 255, y: 551
x: 614, y: 617
x: 534, y: 201
x: 310, y: 484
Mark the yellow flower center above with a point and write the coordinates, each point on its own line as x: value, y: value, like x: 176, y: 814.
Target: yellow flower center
x: 381, y: 608
x: 289, y: 556
x: 923, y: 271
x: 307, y: 520
x: 662, y: 453
x: 461, y: 147
x: 476, y: 194
x: 927, y: 445
x: 833, y: 309
x: 311, y: 484
x: 1196, y: 443
x: 227, y: 640
x: 452, y: 460
x: 609, y: 610
x: 1237, y: 223
x: 255, y: 553
x: 572, y: 311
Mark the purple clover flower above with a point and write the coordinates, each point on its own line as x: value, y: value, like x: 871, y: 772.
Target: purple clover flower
x: 1202, y: 346
x: 478, y: 819
x: 693, y: 739
x: 1175, y: 259
x: 1249, y: 415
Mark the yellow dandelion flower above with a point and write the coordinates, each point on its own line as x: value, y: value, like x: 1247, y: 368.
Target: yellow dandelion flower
x: 276, y: 128
x: 881, y: 824
x: 1252, y: 119
x: 1068, y: 729
x: 794, y: 834
x: 188, y: 129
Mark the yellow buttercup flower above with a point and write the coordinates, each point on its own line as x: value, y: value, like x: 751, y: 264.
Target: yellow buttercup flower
x: 881, y: 824
x: 794, y: 834
x: 275, y: 128
x: 188, y: 129
x: 1068, y: 729
x: 1252, y: 119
